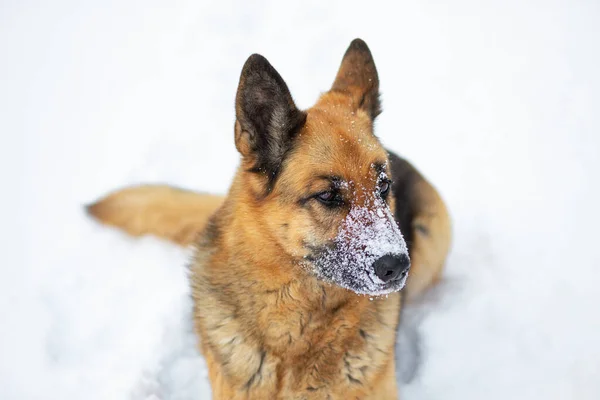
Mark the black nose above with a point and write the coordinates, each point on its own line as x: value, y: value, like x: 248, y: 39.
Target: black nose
x: 390, y: 267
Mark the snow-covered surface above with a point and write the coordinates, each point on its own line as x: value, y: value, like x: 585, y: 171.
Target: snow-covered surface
x: 496, y: 102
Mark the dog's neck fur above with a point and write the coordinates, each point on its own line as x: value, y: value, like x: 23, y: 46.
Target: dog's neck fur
x: 263, y: 318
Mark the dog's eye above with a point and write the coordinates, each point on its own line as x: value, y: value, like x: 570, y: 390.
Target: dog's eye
x: 384, y: 188
x: 329, y: 198
x: 326, y: 196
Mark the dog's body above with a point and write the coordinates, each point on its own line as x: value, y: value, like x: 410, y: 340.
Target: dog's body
x: 298, y: 269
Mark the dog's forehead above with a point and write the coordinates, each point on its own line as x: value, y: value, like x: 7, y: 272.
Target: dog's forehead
x: 341, y: 142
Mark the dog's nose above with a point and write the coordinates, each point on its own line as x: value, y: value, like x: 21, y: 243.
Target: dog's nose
x: 390, y: 267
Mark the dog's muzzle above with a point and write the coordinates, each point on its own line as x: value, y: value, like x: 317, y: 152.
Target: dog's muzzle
x: 392, y: 267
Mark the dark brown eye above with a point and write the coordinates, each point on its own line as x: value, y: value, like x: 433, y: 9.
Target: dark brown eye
x: 326, y: 196
x: 384, y: 188
x: 330, y: 198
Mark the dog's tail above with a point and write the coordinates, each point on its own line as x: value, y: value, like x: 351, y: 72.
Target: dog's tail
x: 170, y: 213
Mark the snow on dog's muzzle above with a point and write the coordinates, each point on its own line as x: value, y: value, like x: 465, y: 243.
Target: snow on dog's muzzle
x: 369, y: 255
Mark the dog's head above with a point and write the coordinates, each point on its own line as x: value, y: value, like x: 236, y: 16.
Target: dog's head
x: 319, y: 178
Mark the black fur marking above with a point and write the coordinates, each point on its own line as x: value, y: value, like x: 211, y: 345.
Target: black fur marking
x: 405, y: 178
x: 353, y: 380
x: 258, y: 374
x: 379, y: 167
x: 311, y: 258
x: 266, y: 112
x: 337, y: 308
x: 231, y: 341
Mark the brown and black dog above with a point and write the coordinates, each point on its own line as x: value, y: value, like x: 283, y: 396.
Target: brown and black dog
x: 298, y: 270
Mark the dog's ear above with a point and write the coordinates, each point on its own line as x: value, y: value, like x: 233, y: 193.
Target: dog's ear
x: 267, y: 120
x: 358, y: 78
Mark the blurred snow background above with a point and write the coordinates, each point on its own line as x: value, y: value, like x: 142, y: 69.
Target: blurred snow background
x: 497, y: 102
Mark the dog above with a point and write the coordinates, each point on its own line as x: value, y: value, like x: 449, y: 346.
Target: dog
x: 299, y: 271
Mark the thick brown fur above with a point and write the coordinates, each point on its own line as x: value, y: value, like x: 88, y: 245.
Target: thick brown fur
x: 268, y: 327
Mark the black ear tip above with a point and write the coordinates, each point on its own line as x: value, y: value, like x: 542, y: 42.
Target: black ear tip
x: 255, y: 62
x: 359, y: 45
x: 256, y: 59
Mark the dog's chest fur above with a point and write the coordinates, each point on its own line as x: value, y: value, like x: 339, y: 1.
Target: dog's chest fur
x: 305, y: 340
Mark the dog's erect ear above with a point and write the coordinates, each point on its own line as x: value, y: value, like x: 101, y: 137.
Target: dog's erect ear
x: 358, y: 78
x: 267, y: 120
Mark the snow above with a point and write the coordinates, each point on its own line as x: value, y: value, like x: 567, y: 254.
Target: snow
x: 367, y: 234
x: 495, y: 102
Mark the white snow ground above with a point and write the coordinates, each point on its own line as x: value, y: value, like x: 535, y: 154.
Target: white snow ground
x: 496, y: 102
